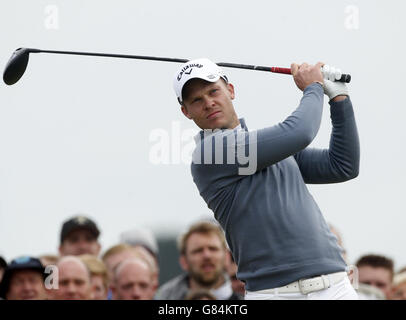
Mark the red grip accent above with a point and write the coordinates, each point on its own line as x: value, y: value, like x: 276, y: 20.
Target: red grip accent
x: 281, y: 70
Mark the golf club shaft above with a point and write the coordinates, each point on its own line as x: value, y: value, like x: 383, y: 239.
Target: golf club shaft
x: 344, y: 77
x: 111, y: 55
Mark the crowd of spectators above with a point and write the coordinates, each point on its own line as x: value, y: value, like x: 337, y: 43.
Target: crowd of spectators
x: 129, y: 270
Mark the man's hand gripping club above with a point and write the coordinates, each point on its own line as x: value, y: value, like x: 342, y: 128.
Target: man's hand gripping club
x: 305, y: 74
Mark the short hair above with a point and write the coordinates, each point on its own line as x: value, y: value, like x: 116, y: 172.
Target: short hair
x: 138, y: 260
x: 118, y: 248
x: 139, y: 251
x: 376, y: 261
x: 51, y: 259
x: 202, y: 227
x: 96, y: 267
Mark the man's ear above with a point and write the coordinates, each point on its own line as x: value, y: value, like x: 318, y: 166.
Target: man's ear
x: 185, y: 112
x: 230, y: 89
x: 183, y: 263
x: 60, y: 249
x: 98, y: 248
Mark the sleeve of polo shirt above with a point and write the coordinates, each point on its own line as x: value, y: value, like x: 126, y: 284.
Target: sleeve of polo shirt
x: 340, y: 162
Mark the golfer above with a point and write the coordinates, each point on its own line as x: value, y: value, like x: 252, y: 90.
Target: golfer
x: 276, y: 232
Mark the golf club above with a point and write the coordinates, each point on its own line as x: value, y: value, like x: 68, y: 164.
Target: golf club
x: 17, y: 64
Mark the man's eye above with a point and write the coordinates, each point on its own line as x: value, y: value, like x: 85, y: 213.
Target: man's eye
x: 64, y: 282
x: 196, y: 251
x: 196, y: 100
x: 213, y: 91
x: 143, y: 285
x: 127, y: 286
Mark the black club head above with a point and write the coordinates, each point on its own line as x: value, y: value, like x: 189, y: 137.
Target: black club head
x: 16, y: 66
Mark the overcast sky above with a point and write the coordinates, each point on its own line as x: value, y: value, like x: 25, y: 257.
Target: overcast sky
x: 83, y: 134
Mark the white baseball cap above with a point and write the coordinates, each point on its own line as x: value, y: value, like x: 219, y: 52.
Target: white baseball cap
x: 201, y: 68
x: 140, y: 236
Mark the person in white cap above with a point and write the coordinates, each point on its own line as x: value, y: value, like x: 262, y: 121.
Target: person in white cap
x: 141, y: 236
x: 255, y: 181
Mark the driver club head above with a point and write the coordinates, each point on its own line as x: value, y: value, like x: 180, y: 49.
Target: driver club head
x: 16, y: 66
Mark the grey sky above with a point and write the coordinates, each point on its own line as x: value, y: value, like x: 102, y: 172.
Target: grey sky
x: 75, y: 131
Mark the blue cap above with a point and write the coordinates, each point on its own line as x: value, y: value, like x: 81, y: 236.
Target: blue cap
x: 20, y: 263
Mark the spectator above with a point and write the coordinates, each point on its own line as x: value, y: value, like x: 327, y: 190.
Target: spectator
x: 335, y: 231
x: 133, y: 280
x: 49, y: 259
x: 399, y: 286
x: 377, y: 271
x: 98, y: 276
x: 3, y: 266
x: 74, y: 280
x: 203, y: 252
x: 237, y: 285
x: 118, y: 253
x: 24, y: 280
x: 79, y: 235
x: 145, y: 238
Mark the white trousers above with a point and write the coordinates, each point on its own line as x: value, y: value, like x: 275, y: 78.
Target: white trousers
x: 342, y: 290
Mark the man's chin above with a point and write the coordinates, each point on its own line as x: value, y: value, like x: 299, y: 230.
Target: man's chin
x: 214, y: 124
x: 30, y: 298
x: 208, y: 280
x: 72, y: 298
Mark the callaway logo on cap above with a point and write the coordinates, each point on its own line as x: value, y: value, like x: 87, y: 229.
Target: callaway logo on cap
x: 199, y: 68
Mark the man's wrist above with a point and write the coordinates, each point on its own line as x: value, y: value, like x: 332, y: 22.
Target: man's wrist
x: 321, y: 83
x: 313, y: 83
x: 339, y: 98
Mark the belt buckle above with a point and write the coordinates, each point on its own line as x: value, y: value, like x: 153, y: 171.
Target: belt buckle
x: 302, y: 287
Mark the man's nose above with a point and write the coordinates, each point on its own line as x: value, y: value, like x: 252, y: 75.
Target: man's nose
x: 83, y: 245
x: 136, y: 294
x: 27, y: 286
x: 207, y: 253
x: 71, y: 288
x: 209, y: 102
